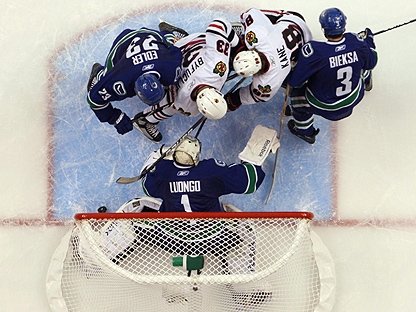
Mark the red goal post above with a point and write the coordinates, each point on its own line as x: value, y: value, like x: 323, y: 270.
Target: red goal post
x: 233, y: 261
x: 195, y: 215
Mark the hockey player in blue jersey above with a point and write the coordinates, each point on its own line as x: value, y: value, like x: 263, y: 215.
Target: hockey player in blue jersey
x: 187, y: 184
x: 140, y: 63
x: 330, y: 77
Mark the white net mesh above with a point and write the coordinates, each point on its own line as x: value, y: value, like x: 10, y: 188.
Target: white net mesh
x: 238, y: 263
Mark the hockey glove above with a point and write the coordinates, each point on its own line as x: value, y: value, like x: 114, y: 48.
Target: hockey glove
x: 155, y: 156
x: 123, y: 124
x: 366, y: 33
x: 233, y: 100
x: 120, y: 121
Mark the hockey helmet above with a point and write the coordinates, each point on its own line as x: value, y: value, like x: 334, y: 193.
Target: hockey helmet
x: 149, y: 89
x: 333, y: 21
x: 211, y: 103
x: 247, y: 63
x: 188, y: 151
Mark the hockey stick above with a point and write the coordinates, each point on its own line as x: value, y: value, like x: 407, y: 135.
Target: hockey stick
x: 394, y: 27
x: 200, y: 128
x: 125, y: 180
x: 282, y: 119
x: 237, y: 84
x: 152, y: 112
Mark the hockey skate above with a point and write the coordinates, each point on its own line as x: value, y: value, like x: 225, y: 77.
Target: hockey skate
x: 177, y: 32
x: 149, y: 130
x: 309, y: 139
x: 93, y: 76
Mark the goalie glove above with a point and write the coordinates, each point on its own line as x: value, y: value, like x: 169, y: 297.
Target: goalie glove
x: 154, y: 156
x: 262, y: 142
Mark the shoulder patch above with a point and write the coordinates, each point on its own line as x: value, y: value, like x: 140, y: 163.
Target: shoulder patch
x: 307, y: 50
x: 220, y: 68
x: 119, y: 88
x: 251, y: 38
x: 265, y: 89
x: 220, y: 163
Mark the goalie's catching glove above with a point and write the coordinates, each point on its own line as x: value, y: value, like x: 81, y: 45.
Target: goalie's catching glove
x: 155, y: 155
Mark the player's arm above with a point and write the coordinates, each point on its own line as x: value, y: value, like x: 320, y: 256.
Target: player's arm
x: 99, y: 101
x: 150, y: 180
x: 371, y: 56
x: 305, y: 67
x: 221, y: 28
x: 244, y: 178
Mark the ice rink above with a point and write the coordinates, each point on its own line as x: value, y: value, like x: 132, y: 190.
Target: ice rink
x: 359, y: 179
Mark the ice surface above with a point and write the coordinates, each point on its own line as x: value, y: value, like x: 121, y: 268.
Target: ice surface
x: 90, y: 156
x: 362, y: 170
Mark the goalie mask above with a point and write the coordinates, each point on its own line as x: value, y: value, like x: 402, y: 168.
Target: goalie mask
x: 247, y: 63
x: 149, y: 89
x: 188, y: 152
x: 211, y: 103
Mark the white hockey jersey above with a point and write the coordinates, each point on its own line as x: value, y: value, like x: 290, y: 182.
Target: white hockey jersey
x: 206, y: 62
x: 278, y: 35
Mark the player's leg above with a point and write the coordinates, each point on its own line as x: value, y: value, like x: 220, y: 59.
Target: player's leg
x: 148, y: 125
x: 302, y: 123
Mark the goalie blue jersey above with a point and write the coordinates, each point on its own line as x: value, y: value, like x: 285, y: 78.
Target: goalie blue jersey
x: 334, y: 73
x: 133, y: 53
x: 197, y: 189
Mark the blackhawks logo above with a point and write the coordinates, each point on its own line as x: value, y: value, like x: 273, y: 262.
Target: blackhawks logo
x: 220, y: 68
x: 251, y: 38
x: 265, y: 89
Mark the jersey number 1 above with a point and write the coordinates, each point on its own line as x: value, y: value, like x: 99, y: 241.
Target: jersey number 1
x: 185, y: 202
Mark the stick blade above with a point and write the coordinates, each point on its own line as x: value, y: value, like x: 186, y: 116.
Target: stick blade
x: 124, y: 180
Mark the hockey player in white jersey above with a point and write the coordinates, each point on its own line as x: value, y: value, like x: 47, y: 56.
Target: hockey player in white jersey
x: 205, y: 68
x: 273, y: 39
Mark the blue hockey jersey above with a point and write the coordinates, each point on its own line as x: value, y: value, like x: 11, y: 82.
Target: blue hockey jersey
x: 133, y: 53
x: 197, y: 189
x: 333, y: 73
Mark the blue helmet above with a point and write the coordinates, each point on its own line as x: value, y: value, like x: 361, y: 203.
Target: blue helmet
x: 149, y: 89
x: 333, y: 21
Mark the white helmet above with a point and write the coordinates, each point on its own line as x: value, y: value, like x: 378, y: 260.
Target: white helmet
x: 188, y: 151
x: 247, y: 63
x: 211, y: 103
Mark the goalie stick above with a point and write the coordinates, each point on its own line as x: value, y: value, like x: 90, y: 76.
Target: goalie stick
x: 282, y: 119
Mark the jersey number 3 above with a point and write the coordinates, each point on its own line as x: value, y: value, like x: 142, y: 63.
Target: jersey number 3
x: 344, y: 75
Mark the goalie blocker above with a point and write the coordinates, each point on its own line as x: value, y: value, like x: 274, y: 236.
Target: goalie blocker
x: 262, y: 142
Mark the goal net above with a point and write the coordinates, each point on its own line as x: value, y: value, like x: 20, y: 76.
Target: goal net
x: 149, y: 261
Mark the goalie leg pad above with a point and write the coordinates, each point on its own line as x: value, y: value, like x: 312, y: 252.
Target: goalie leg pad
x: 140, y: 204
x: 262, y: 142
